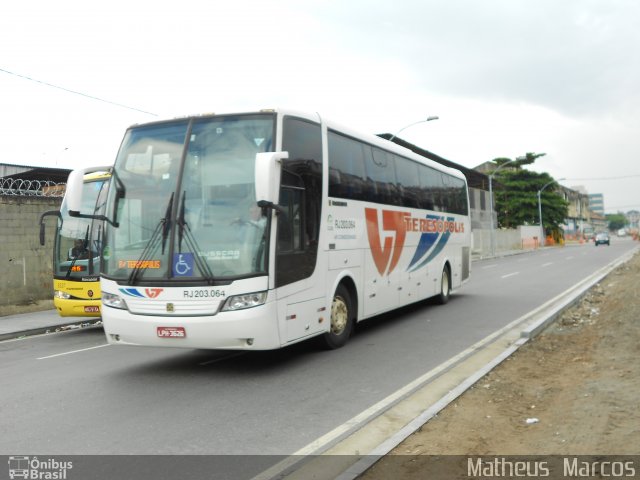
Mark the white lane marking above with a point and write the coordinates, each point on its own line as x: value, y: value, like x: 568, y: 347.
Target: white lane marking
x: 341, y: 432
x: 547, y: 264
x: 323, y: 443
x: 569, y: 258
x: 510, y: 275
x: 73, y: 351
x: 489, y: 266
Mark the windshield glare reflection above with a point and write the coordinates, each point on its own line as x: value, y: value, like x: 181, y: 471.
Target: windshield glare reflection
x: 213, y: 227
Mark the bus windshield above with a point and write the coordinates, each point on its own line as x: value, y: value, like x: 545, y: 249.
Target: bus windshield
x: 183, y: 201
x: 79, y: 240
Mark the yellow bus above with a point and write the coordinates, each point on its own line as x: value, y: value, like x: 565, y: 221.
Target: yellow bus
x: 76, y: 251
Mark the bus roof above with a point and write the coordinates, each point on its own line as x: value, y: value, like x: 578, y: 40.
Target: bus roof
x: 95, y: 176
x: 367, y: 137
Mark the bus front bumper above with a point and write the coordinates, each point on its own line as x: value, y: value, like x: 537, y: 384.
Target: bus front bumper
x: 249, y: 329
x: 77, y: 307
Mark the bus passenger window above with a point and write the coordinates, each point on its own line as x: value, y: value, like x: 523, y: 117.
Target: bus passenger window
x: 290, y: 232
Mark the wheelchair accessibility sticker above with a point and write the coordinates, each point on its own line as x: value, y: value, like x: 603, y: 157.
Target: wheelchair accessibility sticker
x: 182, y: 264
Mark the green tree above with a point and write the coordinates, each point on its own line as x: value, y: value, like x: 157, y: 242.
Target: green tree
x: 519, y: 162
x: 516, y: 195
x: 616, y: 220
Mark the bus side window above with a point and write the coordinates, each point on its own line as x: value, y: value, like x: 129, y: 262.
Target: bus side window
x: 429, y: 182
x: 347, y: 160
x: 290, y: 231
x: 408, y: 182
x: 380, y: 168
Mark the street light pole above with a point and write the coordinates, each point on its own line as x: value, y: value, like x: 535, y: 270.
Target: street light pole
x: 492, y: 232
x: 428, y: 119
x: 542, y: 236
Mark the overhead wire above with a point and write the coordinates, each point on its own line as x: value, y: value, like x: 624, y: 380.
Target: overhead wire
x: 77, y: 93
x: 602, y: 178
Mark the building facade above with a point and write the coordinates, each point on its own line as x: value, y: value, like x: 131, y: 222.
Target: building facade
x: 596, y: 203
x: 578, y: 224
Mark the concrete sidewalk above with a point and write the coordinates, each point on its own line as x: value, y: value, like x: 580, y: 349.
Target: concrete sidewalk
x: 36, y: 323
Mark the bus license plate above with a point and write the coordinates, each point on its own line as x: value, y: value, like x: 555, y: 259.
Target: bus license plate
x: 171, y: 332
x: 91, y: 309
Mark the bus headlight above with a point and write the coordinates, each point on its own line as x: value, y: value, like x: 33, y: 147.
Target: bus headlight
x: 62, y: 295
x: 113, y: 301
x: 239, y: 302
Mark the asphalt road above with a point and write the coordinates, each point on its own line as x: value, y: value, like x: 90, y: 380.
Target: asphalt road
x: 71, y: 394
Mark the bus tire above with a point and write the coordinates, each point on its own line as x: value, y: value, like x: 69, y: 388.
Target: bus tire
x: 445, y: 286
x: 341, y: 320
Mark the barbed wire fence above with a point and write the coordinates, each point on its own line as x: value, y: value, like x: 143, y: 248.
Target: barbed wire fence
x: 31, y: 188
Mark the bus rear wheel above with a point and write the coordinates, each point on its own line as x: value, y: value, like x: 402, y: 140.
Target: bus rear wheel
x: 342, y: 316
x: 445, y: 287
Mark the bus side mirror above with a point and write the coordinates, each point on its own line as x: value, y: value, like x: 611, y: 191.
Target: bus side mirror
x: 267, y: 176
x: 73, y: 193
x: 42, y: 225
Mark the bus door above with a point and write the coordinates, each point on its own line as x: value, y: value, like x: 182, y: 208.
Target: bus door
x: 298, y: 278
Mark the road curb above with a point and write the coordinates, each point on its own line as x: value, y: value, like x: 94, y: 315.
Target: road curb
x: 520, y: 331
x: 67, y: 327
x: 527, y: 333
x: 580, y: 290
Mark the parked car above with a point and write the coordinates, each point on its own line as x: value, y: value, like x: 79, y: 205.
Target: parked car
x: 622, y: 232
x: 601, y: 238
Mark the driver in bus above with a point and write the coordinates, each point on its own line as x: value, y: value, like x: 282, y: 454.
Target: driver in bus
x: 78, y: 250
x: 252, y: 227
x: 255, y: 218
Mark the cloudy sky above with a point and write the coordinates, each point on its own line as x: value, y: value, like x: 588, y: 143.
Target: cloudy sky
x: 505, y: 77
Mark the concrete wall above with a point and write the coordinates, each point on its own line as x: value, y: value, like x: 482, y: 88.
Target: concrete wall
x: 26, y: 276
x: 506, y: 240
x: 480, y: 216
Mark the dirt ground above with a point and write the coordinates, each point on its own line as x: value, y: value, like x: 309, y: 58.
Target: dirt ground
x: 574, y: 390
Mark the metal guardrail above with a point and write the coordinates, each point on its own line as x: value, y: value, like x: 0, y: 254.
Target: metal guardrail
x: 31, y: 188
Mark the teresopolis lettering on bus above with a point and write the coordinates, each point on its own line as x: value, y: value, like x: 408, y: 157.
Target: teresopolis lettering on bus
x: 435, y: 229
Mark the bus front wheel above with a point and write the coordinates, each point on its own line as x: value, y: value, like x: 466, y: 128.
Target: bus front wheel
x: 445, y: 287
x: 342, y: 316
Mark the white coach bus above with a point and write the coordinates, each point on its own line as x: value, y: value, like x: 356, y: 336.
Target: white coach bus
x: 253, y: 231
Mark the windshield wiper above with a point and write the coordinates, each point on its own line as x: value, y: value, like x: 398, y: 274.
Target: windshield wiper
x: 185, y: 232
x: 98, y: 248
x: 166, y: 223
x: 120, y: 193
x: 181, y: 222
x: 152, y: 245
